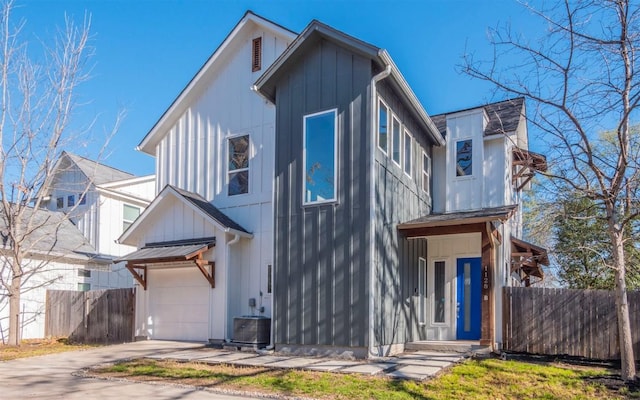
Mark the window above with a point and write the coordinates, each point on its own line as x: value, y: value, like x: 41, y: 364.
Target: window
x: 60, y: 202
x: 85, y: 273
x: 256, y: 54
x: 408, y: 150
x: 320, y: 132
x: 383, y: 124
x: 396, y: 137
x: 129, y: 214
x: 82, y: 199
x: 464, y: 159
x: 422, y: 290
x: 426, y: 172
x: 71, y: 200
x: 238, y: 165
x: 269, y: 279
x: 439, y: 300
x: 84, y: 287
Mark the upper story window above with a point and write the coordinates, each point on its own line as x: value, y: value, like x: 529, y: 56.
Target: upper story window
x: 464, y: 157
x: 129, y: 214
x: 396, y: 138
x: 320, y: 157
x: 408, y: 151
x: 82, y: 199
x: 60, y: 202
x: 71, y: 200
x: 84, y: 273
x: 256, y: 54
x: 383, y: 125
x: 238, y: 165
x: 426, y: 172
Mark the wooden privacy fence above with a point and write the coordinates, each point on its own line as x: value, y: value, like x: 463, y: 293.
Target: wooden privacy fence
x: 580, y: 323
x: 96, y: 316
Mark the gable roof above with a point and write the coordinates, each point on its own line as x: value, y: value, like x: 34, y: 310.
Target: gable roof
x: 504, y: 116
x: 96, y: 172
x: 195, y: 202
x: 53, y: 235
x: 146, y: 145
x: 266, y: 84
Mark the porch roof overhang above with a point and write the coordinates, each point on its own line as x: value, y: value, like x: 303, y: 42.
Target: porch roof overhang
x: 456, y: 222
x: 181, y: 252
x: 528, y: 259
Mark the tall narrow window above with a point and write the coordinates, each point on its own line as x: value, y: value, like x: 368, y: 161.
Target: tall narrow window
x: 71, y: 200
x: 256, y: 54
x: 422, y: 289
x: 320, y: 158
x: 439, y: 300
x: 238, y: 165
x: 82, y: 199
x: 60, y: 202
x: 426, y: 172
x: 408, y: 151
x: 383, y: 126
x: 129, y: 214
x: 269, y: 279
x: 396, y: 137
x: 464, y: 158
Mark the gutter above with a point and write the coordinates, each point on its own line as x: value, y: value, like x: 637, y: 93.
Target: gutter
x: 372, y: 198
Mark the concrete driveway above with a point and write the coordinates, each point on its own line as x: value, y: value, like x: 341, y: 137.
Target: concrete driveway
x: 52, y: 376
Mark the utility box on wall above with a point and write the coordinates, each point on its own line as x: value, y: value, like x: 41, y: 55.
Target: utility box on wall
x: 251, y: 329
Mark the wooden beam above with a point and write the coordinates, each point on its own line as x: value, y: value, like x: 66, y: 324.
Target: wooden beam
x: 488, y: 266
x: 444, y: 230
x: 209, y: 276
x: 141, y: 278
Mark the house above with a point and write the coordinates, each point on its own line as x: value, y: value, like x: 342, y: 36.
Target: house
x: 332, y: 203
x: 56, y: 258
x: 102, y: 202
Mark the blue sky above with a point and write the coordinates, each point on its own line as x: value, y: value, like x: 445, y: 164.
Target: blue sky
x: 147, y: 51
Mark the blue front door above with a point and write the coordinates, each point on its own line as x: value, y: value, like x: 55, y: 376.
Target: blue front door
x: 469, y: 299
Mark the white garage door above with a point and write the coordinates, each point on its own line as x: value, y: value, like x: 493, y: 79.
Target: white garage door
x: 178, y: 304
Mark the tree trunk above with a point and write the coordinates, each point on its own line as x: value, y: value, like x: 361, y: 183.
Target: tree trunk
x: 14, y: 310
x: 628, y: 367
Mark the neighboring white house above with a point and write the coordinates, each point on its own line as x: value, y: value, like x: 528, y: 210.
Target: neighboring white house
x: 102, y: 202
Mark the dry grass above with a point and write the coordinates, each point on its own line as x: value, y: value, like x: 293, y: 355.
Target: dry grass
x: 474, y: 379
x: 38, y: 347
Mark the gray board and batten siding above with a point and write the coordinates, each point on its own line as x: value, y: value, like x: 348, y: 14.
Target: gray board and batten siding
x: 399, y: 198
x: 322, y: 253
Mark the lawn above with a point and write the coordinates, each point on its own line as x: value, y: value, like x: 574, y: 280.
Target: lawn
x: 38, y: 347
x: 473, y: 379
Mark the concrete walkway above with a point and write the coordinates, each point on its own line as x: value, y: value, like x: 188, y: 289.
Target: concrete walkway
x: 417, y: 365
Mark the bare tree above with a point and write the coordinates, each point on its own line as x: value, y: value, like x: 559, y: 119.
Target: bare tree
x: 580, y: 80
x: 37, y: 100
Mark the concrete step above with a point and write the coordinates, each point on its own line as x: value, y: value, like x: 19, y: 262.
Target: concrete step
x: 448, y: 346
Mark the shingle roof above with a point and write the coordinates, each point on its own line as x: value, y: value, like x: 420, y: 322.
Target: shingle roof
x: 54, y: 234
x: 209, y: 209
x: 504, y: 116
x: 97, y: 172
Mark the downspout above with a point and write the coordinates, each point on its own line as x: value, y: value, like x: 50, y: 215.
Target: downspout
x: 230, y: 243
x: 372, y: 198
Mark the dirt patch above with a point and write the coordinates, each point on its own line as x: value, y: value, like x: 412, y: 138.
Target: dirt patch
x: 39, y: 347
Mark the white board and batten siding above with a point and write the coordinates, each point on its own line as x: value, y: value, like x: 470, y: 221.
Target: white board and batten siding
x: 193, y: 155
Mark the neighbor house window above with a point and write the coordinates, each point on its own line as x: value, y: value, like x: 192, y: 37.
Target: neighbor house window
x: 396, y: 137
x: 408, y: 150
x: 238, y: 165
x: 82, y: 199
x: 129, y: 214
x: 320, y: 159
x: 60, y: 202
x: 85, y: 273
x: 426, y: 172
x: 84, y: 287
x: 464, y: 158
x: 71, y: 200
x: 256, y: 54
x: 383, y: 126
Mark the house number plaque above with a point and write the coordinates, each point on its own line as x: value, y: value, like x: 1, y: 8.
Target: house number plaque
x: 485, y: 277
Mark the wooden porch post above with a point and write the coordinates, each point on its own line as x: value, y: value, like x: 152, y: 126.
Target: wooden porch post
x: 488, y: 267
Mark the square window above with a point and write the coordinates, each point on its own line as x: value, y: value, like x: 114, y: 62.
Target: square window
x: 238, y: 165
x: 71, y: 200
x: 320, y: 155
x: 464, y: 158
x: 383, y: 124
x: 60, y: 202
